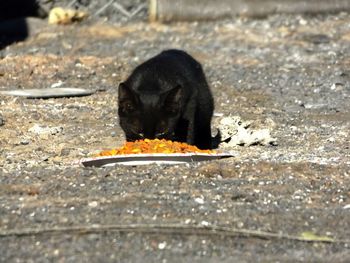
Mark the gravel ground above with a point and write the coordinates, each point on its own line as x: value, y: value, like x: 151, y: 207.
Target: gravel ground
x: 289, y: 74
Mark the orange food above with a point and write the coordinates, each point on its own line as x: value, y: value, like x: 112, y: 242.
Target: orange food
x: 154, y: 146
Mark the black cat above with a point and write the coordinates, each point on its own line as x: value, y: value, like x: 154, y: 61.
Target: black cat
x: 167, y: 97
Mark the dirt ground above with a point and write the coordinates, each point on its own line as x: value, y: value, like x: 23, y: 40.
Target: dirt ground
x: 284, y: 203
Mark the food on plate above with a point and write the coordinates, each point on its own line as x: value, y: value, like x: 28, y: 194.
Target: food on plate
x: 154, y: 146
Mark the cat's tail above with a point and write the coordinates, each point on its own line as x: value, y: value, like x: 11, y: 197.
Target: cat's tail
x: 215, y: 141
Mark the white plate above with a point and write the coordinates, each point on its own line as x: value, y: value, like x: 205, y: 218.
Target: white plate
x: 47, y: 93
x: 158, y: 158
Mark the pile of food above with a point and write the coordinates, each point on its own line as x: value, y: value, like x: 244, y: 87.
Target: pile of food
x: 154, y: 146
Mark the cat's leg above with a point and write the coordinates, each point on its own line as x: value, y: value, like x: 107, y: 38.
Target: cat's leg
x: 188, y: 118
x: 181, y: 130
x: 202, y: 118
x: 202, y: 131
x: 190, y: 138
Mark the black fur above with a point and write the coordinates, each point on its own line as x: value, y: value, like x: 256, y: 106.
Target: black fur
x: 167, y: 97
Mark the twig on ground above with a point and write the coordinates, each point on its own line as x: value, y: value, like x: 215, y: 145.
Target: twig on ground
x: 164, y: 229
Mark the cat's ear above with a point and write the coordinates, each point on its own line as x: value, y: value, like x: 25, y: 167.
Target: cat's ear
x: 173, y: 99
x: 124, y: 93
x: 126, y: 99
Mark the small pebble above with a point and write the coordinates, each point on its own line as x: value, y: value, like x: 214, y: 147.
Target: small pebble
x: 93, y: 204
x: 57, y: 84
x: 187, y: 221
x: 162, y: 245
x: 199, y: 200
x: 65, y: 152
x: 346, y: 206
x: 24, y: 142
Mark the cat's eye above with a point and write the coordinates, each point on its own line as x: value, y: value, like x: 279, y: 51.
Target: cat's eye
x: 128, y: 107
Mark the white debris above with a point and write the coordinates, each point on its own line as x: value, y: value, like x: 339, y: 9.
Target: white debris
x: 41, y: 129
x: 235, y: 131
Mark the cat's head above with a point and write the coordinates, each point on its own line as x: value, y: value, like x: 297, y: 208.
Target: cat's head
x: 149, y: 114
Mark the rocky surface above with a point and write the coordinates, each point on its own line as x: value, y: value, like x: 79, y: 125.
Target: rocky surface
x: 285, y: 73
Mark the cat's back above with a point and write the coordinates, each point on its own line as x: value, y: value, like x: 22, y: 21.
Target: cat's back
x: 177, y: 58
x: 165, y: 71
x: 175, y: 54
x: 170, y: 62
